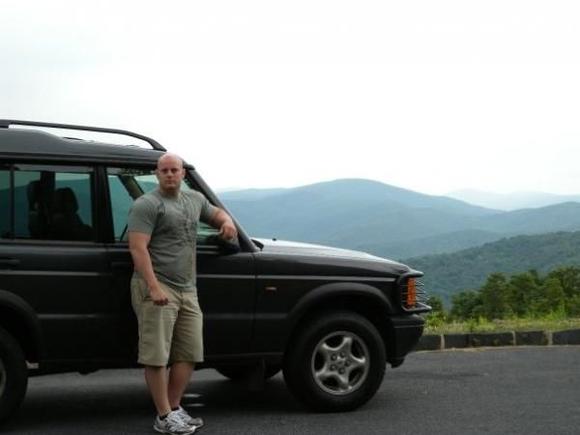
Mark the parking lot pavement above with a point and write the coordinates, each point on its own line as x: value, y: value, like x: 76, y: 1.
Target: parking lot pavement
x: 524, y: 390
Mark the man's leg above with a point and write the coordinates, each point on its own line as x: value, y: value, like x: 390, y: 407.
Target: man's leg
x: 186, y: 348
x: 179, y: 376
x: 156, y: 378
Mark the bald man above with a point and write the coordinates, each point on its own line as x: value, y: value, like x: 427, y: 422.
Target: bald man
x: 162, y: 238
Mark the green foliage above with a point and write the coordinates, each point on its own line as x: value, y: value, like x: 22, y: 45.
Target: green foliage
x: 495, y: 297
x: 573, y: 306
x: 523, y: 288
x: 569, y: 279
x: 551, y: 299
x: 436, y: 304
x: 552, y: 322
x: 466, y: 305
x: 448, y: 274
x: 437, y: 316
x: 480, y: 324
x: 525, y: 295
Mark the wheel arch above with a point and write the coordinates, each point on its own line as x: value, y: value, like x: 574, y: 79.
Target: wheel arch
x: 19, y: 319
x: 363, y: 299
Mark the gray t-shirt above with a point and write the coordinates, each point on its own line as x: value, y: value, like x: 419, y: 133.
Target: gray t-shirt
x: 172, y: 225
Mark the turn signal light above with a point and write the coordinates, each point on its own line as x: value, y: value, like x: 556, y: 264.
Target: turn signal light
x: 411, y: 292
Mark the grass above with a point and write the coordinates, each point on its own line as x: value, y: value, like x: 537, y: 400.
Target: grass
x: 483, y: 325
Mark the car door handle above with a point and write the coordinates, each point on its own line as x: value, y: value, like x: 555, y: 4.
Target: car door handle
x: 9, y: 263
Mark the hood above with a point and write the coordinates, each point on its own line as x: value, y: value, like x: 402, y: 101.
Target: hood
x: 297, y: 248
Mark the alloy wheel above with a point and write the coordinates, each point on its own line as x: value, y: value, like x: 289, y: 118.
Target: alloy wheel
x: 340, y: 363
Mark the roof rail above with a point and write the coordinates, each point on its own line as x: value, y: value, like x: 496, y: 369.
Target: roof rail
x: 6, y: 123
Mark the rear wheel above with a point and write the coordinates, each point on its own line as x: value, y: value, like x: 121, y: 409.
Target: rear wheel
x: 336, y: 363
x: 13, y: 375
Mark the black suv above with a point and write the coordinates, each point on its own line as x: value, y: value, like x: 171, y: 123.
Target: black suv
x: 329, y: 318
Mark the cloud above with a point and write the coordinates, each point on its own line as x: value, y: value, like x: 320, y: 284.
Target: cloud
x: 430, y: 96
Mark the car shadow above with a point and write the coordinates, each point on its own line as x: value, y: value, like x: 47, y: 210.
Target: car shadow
x: 115, y: 401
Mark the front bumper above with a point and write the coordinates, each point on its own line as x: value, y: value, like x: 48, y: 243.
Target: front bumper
x: 406, y: 332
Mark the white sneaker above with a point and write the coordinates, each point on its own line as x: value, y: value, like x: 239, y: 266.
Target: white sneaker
x: 188, y: 419
x: 173, y: 425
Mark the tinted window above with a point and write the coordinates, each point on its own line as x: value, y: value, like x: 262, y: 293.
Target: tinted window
x: 52, y: 204
x: 205, y: 233
x: 4, y: 203
x: 125, y: 186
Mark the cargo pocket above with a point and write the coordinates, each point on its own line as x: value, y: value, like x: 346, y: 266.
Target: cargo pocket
x: 139, y: 290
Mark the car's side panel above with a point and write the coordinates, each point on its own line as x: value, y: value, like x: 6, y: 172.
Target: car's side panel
x: 67, y: 285
x: 18, y: 318
x: 226, y: 287
x: 283, y: 299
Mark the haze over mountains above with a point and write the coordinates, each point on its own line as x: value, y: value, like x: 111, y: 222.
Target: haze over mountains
x: 511, y: 201
x: 387, y: 220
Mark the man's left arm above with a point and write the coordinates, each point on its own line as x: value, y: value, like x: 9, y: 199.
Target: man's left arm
x: 223, y: 222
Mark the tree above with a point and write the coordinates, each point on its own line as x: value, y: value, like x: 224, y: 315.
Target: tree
x: 573, y: 306
x: 466, y: 305
x: 437, y: 316
x: 551, y: 298
x: 521, y: 290
x: 495, y: 297
x: 569, y: 278
x: 436, y: 303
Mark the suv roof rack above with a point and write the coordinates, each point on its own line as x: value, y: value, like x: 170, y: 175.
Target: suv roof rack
x: 6, y: 123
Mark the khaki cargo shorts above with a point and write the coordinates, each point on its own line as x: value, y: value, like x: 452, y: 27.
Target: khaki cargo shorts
x: 169, y: 333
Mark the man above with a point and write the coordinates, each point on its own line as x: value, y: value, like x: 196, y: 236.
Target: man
x: 162, y: 234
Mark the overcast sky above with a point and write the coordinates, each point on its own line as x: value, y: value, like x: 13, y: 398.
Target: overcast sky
x: 432, y: 96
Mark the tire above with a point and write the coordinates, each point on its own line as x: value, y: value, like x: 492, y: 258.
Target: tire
x: 13, y: 375
x: 237, y: 373
x: 336, y: 362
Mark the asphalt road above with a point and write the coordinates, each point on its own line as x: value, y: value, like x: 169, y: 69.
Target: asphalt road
x: 499, y: 391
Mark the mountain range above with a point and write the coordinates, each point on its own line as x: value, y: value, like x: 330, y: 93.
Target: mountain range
x: 511, y: 201
x: 386, y: 220
x: 447, y: 274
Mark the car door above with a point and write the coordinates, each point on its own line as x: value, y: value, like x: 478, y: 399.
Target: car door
x: 227, y: 287
x: 51, y: 256
x: 225, y: 281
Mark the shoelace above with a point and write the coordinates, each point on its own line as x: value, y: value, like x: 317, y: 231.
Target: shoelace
x: 175, y: 423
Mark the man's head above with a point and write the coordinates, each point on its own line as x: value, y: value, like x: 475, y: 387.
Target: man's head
x: 170, y: 172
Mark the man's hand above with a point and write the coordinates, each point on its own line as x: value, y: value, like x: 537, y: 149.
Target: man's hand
x: 138, y: 246
x: 224, y: 222
x: 158, y: 296
x: 228, y: 231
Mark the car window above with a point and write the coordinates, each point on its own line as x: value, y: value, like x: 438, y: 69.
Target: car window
x: 206, y: 234
x: 4, y: 204
x: 128, y: 184
x: 48, y: 203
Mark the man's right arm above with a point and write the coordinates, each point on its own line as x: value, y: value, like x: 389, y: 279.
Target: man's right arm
x: 138, y: 243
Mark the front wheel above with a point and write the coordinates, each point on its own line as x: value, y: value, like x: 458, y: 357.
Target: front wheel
x: 336, y: 362
x: 13, y: 375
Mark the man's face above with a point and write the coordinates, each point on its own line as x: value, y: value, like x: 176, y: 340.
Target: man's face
x: 170, y: 172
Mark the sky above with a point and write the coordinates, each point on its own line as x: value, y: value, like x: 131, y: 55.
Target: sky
x: 432, y: 96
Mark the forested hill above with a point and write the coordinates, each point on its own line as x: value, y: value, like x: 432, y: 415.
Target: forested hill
x: 447, y: 274
x: 386, y: 220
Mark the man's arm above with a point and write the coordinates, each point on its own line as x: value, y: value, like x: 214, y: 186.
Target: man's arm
x: 223, y: 222
x: 138, y: 243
